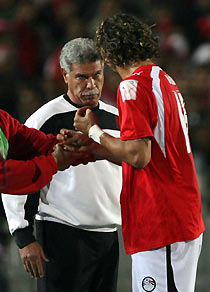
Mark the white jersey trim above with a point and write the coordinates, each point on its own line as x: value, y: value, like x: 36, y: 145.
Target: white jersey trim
x: 159, y: 131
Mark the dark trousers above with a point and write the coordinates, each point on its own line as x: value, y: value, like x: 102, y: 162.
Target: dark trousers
x: 79, y: 260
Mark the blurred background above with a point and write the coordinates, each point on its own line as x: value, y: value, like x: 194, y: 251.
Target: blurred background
x: 31, y: 35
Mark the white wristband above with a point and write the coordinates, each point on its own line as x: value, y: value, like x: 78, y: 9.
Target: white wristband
x: 95, y: 133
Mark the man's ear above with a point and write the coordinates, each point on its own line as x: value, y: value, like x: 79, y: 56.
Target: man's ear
x: 64, y: 74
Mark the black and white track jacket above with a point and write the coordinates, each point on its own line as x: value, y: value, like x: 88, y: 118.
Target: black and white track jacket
x: 85, y: 196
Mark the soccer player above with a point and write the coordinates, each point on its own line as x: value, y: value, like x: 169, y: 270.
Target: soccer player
x: 78, y: 212
x: 27, y: 159
x: 160, y: 200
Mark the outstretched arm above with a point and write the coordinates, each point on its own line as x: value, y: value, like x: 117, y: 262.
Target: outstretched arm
x: 23, y: 177
x: 134, y: 152
x: 81, y: 142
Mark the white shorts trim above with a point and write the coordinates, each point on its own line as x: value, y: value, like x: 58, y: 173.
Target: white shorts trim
x: 167, y: 269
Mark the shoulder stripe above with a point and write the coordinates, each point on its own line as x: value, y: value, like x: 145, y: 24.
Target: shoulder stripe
x: 56, y: 106
x: 159, y: 131
x: 108, y: 107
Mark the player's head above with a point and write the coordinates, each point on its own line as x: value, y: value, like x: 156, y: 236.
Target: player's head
x: 82, y: 69
x: 123, y: 40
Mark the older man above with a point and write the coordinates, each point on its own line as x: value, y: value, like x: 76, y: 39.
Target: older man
x: 77, y: 247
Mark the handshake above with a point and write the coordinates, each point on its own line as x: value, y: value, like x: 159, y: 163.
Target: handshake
x: 73, y: 148
x: 76, y: 148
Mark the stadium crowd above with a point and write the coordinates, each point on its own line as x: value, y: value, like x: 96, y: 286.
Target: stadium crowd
x: 32, y: 33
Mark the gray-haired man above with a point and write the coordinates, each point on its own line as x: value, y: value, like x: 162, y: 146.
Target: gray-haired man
x: 77, y: 244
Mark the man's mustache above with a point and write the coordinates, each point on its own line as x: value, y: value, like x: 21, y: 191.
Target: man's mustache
x: 91, y: 92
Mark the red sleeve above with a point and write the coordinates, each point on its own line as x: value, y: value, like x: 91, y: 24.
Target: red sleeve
x: 28, y: 167
x: 26, y: 143
x: 22, y: 177
x: 137, y: 113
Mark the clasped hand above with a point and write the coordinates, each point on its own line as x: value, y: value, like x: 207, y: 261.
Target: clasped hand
x: 74, y: 141
x: 74, y: 147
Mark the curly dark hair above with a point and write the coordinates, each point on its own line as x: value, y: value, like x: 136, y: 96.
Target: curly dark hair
x: 123, y: 40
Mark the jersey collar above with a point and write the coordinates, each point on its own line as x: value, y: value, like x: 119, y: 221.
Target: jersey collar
x: 66, y: 97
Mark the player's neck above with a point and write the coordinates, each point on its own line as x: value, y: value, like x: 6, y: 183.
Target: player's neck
x: 125, y: 72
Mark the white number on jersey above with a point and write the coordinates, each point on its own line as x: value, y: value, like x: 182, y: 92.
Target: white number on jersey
x: 183, y: 118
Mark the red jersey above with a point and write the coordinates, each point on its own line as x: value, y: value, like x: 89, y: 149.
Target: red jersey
x: 161, y: 203
x: 25, y: 165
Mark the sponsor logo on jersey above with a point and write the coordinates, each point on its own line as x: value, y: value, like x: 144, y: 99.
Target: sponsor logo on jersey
x: 4, y: 145
x: 128, y: 89
x: 148, y: 284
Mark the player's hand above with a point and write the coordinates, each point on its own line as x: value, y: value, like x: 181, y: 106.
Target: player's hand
x: 73, y: 140
x: 65, y: 134
x: 32, y: 256
x: 65, y: 158
x: 84, y: 119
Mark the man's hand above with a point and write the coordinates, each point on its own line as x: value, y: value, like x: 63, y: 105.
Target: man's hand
x: 73, y: 140
x: 66, y: 158
x: 84, y: 120
x: 32, y: 256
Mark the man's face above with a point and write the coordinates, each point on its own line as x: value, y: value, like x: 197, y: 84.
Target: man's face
x: 85, y: 83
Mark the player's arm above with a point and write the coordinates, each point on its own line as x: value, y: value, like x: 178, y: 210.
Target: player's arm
x: 100, y: 153
x: 134, y: 152
x: 26, y: 176
x: 22, y: 177
x: 25, y: 142
x: 81, y: 142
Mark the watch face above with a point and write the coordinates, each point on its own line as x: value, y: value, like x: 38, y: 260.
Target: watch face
x: 148, y: 284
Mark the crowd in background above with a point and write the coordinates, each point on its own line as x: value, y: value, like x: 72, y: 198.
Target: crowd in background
x: 32, y: 33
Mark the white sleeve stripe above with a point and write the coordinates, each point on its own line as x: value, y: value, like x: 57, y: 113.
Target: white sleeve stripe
x: 159, y: 132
